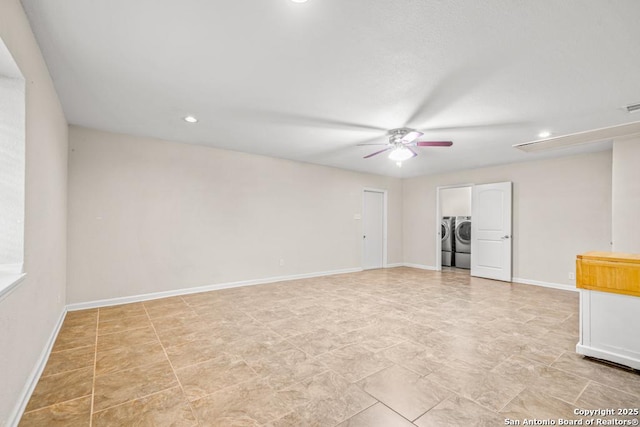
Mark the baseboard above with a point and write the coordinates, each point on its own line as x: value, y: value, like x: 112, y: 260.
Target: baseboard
x: 199, y: 289
x: 420, y: 266
x: 32, y: 381
x: 544, y: 284
x: 607, y: 355
x: 394, y: 265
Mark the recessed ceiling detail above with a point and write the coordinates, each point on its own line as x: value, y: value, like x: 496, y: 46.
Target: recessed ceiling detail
x: 581, y: 138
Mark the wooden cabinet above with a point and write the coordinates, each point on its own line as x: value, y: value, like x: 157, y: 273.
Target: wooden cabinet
x: 609, y: 272
x: 609, y: 285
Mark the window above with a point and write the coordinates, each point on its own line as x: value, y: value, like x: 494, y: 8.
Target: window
x: 12, y: 170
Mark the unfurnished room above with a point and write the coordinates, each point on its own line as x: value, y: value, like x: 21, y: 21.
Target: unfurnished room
x: 319, y: 213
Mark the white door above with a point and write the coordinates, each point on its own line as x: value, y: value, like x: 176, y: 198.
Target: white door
x: 491, y: 231
x: 373, y: 230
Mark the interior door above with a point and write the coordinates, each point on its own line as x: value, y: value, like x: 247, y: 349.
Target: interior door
x: 491, y: 231
x: 373, y: 230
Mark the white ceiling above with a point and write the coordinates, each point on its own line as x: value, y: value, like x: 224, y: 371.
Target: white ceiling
x: 310, y: 81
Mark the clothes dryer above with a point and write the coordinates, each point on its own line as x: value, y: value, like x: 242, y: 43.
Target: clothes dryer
x: 463, y: 234
x: 462, y: 238
x: 447, y: 229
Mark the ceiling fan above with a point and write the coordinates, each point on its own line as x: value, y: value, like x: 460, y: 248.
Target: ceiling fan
x: 400, y: 142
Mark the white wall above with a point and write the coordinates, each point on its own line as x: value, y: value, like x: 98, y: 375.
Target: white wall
x: 455, y: 201
x: 29, y: 314
x: 626, y: 195
x: 12, y: 151
x: 147, y: 215
x: 561, y: 207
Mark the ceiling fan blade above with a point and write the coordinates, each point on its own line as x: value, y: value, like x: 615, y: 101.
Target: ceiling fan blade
x: 414, y: 153
x: 411, y: 136
x: 377, y: 152
x: 434, y: 144
x: 372, y: 143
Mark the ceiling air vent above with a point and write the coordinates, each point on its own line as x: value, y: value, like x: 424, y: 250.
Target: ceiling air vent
x: 632, y: 108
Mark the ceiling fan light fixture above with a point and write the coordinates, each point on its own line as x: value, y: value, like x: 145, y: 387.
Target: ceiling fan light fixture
x: 400, y: 154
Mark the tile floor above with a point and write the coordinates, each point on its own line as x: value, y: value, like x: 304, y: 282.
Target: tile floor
x: 395, y: 347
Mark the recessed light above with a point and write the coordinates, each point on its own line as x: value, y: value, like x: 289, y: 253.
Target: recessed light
x: 190, y: 119
x: 544, y: 134
x: 299, y: 1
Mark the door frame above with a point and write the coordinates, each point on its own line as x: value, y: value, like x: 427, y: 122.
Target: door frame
x: 438, y: 266
x: 384, y: 224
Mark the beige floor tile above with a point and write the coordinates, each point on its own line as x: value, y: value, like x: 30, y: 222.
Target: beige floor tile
x: 458, y: 411
x: 414, y: 357
x: 494, y: 391
x: 325, y: 399
x: 404, y: 391
x: 166, y: 408
x: 266, y: 316
x: 72, y: 413
x: 84, y: 318
x: 174, y: 308
x: 69, y: 360
x: 346, y: 398
x: 173, y: 321
x: 128, y: 338
x: 193, y: 352
x: 377, y: 415
x: 120, y: 324
x: 248, y: 404
x: 121, y: 311
x: 599, y: 372
x: 121, y: 358
x: 295, y: 325
x: 373, y: 338
x: 259, y: 347
x: 287, y: 367
x: 459, y: 376
x: 196, y: 330
x: 540, y: 377
x: 320, y: 341
x: 75, y: 336
x: 599, y: 396
x: 208, y: 377
x: 354, y: 362
x: 61, y: 387
x: 123, y: 386
x: 289, y: 353
x: 536, y: 404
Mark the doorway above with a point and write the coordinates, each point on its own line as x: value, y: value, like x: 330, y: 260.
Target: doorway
x: 454, y: 225
x: 374, y: 229
x: 480, y: 239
